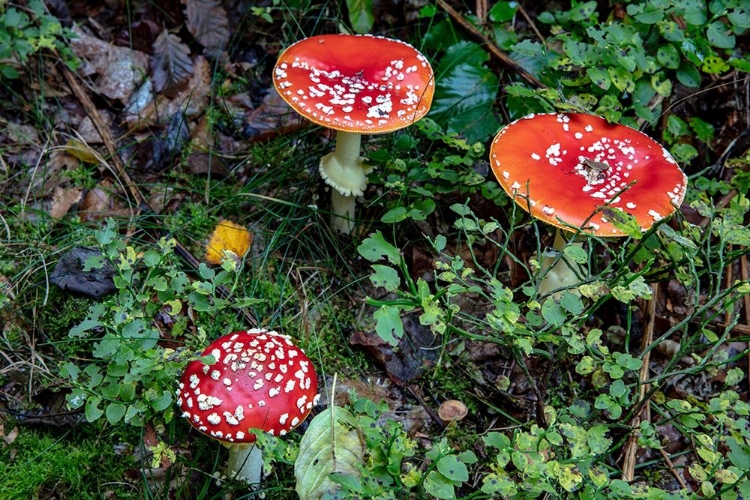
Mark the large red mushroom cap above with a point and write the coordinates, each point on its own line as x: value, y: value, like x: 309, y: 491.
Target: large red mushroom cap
x: 565, y: 167
x: 260, y: 381
x: 355, y: 83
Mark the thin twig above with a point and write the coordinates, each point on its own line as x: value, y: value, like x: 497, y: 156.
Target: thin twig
x: 531, y: 23
x: 673, y: 470
x: 491, y: 47
x: 631, y: 447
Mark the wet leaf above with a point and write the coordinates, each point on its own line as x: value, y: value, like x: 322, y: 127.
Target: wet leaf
x: 171, y: 66
x: 333, y: 443
x: 70, y: 274
x: 207, y: 21
x: 227, y: 236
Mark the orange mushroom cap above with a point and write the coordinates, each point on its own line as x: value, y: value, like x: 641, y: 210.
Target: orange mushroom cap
x: 355, y: 83
x: 565, y: 167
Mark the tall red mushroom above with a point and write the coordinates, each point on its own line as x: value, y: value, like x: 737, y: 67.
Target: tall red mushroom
x: 355, y: 84
x: 260, y: 380
x: 565, y: 168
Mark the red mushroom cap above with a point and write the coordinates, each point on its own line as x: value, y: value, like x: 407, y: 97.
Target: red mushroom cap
x: 565, y: 167
x: 355, y: 83
x: 260, y: 381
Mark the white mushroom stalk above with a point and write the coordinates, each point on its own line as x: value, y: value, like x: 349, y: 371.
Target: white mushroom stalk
x: 344, y: 170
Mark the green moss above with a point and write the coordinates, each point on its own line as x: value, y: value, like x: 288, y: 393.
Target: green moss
x: 72, y: 465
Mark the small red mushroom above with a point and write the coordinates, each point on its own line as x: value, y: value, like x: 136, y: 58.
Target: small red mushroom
x: 260, y: 380
x: 355, y: 84
x: 565, y: 168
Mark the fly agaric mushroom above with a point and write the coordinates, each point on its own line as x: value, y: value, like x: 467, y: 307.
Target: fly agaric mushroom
x: 355, y: 84
x: 565, y: 168
x: 260, y: 380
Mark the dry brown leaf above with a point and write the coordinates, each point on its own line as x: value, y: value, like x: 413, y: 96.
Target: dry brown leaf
x: 62, y: 200
x: 191, y: 101
x: 227, y: 236
x: 120, y: 69
x: 171, y: 66
x: 207, y: 21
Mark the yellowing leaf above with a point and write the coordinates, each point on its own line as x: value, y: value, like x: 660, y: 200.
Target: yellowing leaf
x: 332, y: 443
x: 82, y: 151
x: 227, y: 236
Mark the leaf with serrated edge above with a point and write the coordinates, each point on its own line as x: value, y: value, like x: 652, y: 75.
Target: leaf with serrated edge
x: 171, y: 65
x: 332, y: 443
x: 207, y: 21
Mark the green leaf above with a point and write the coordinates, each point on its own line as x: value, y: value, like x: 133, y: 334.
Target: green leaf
x: 714, y: 65
x: 576, y: 253
x: 646, y: 13
x: 597, y: 439
x: 462, y: 102
x: 452, y: 468
x: 623, y: 221
x: 374, y: 248
x: 385, y: 276
x: 740, y: 17
x: 360, y: 15
x: 719, y: 35
x: 115, y: 412
x: 553, y: 312
x: 668, y: 56
x: 161, y: 402
x: 333, y: 443
x: 621, y: 78
x: 389, y: 326
x: 683, y: 153
x: 439, y: 486
x: 688, y: 75
x: 739, y: 455
x: 92, y: 410
x: 599, y: 77
x: 394, y: 215
x: 503, y: 11
x: 571, y: 302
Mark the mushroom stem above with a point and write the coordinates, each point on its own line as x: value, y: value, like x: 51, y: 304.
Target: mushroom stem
x: 245, y: 463
x: 344, y: 171
x: 563, y: 273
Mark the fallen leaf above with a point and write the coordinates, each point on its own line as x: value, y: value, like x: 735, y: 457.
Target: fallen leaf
x: 82, y: 151
x: 69, y: 274
x: 62, y: 200
x: 119, y: 69
x: 148, y: 110
x: 171, y: 66
x: 207, y: 21
x: 227, y: 236
x: 332, y: 443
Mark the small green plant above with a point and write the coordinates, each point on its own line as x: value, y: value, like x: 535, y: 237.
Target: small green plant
x: 26, y: 31
x: 135, y: 362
